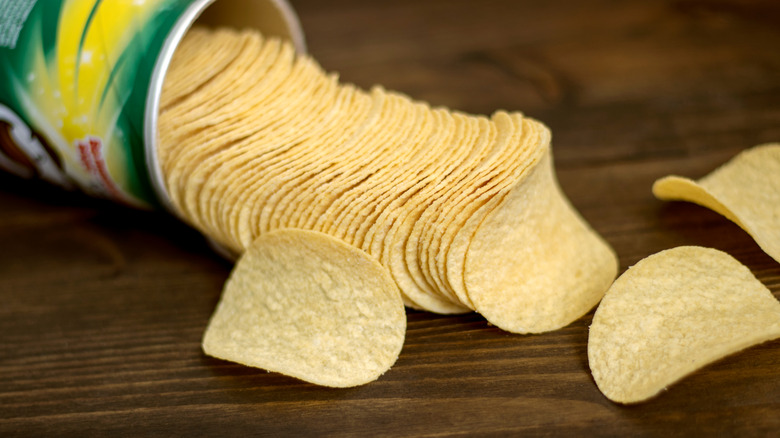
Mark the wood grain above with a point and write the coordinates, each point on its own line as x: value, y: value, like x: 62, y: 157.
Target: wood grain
x: 103, y: 307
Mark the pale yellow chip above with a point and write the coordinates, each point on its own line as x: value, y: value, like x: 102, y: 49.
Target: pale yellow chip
x: 198, y: 58
x: 384, y: 185
x: 282, y: 181
x: 385, y: 155
x: 243, y: 204
x: 255, y: 129
x: 274, y: 133
x: 267, y: 141
x: 400, y: 232
x: 211, y: 126
x: 673, y: 313
x: 415, y: 255
x: 524, y: 142
x: 372, y: 151
x: 307, y: 305
x: 534, y: 264
x: 746, y: 190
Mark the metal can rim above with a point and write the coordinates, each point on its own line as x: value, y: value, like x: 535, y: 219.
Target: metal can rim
x: 184, y: 23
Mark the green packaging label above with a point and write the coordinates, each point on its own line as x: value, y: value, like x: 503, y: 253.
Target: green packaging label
x: 80, y: 82
x: 73, y: 91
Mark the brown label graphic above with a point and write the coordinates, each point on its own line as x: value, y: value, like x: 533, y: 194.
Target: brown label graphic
x: 26, y: 153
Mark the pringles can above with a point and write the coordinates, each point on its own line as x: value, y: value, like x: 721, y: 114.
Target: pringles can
x: 80, y: 85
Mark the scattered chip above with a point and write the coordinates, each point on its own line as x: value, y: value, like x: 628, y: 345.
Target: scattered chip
x: 307, y: 305
x: 746, y: 190
x: 673, y: 313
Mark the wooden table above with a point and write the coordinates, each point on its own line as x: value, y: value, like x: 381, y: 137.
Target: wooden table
x: 103, y: 307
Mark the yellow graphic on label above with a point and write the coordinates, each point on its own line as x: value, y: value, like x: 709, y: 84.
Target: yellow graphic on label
x: 76, y: 92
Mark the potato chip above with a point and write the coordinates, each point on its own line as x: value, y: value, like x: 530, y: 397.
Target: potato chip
x: 415, y: 255
x: 198, y: 59
x: 383, y: 157
x: 673, y: 313
x: 519, y: 146
x: 746, y: 190
x: 209, y: 132
x: 324, y: 151
x: 307, y: 305
x: 247, y: 199
x: 394, y: 252
x: 432, y: 224
x: 534, y: 264
x: 409, y: 185
x: 384, y: 185
x: 278, y: 129
x: 258, y: 132
x: 255, y: 190
x: 373, y: 150
x: 266, y: 140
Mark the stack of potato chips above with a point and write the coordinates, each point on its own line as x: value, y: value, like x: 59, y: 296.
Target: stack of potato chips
x: 463, y: 212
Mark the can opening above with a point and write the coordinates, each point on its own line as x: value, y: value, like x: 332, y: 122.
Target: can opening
x: 271, y: 17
